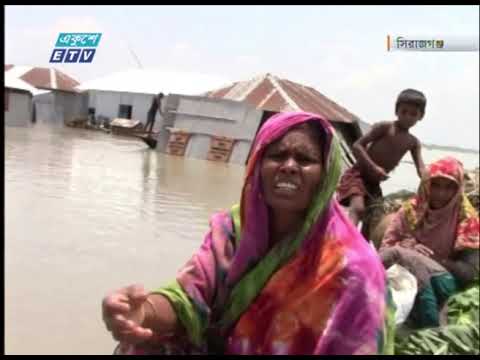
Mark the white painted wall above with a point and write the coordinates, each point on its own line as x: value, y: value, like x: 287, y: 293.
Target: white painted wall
x: 56, y: 107
x: 71, y: 105
x: 205, y: 117
x: 107, y: 103
x: 217, y: 117
x: 240, y: 152
x: 198, y: 146
x: 19, y: 111
x: 46, y: 112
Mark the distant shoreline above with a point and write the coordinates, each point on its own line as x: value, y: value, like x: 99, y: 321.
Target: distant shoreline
x: 366, y: 127
x: 451, y: 148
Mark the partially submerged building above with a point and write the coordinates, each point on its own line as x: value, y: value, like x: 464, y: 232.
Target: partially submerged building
x: 208, y: 128
x: 18, y: 102
x: 236, y: 112
x: 128, y: 94
x: 217, y: 125
x: 56, y: 99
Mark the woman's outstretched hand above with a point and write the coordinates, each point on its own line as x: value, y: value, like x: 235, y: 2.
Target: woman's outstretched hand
x: 124, y: 312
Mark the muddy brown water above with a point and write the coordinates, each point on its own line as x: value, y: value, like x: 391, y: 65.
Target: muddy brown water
x: 87, y: 212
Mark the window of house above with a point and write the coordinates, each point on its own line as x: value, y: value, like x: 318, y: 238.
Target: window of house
x: 125, y: 111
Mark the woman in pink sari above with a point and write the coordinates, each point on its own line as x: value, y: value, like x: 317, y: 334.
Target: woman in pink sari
x: 284, y: 272
x: 436, y: 237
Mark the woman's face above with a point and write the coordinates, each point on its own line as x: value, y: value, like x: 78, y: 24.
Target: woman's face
x: 441, y: 192
x: 291, y: 170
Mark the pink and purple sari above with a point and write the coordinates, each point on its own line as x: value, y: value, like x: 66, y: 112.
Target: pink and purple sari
x: 320, y: 291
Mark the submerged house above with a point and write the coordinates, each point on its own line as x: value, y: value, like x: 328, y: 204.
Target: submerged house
x: 128, y: 94
x: 233, y: 114
x: 209, y: 129
x: 18, y: 102
x: 56, y: 99
x: 274, y: 94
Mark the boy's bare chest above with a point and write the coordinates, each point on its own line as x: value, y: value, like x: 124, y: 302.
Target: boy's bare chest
x: 389, y: 150
x: 393, y: 140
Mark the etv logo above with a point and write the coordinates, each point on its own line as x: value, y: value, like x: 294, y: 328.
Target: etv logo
x: 75, y: 47
x: 72, y: 55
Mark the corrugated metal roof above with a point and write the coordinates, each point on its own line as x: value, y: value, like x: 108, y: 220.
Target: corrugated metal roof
x: 15, y: 83
x: 272, y: 93
x: 43, y: 78
x: 153, y: 81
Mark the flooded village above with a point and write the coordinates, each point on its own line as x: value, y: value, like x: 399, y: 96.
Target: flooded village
x: 201, y: 117
x: 192, y: 121
x: 87, y: 192
x: 151, y: 206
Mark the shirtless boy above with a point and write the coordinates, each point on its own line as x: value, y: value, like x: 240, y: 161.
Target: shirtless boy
x: 379, y: 151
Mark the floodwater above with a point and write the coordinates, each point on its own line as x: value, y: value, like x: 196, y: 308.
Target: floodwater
x: 88, y: 212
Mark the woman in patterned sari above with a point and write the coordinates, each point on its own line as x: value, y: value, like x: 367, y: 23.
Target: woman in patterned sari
x: 435, y: 236
x: 284, y: 272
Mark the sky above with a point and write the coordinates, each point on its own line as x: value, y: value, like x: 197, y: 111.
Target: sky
x: 339, y: 50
